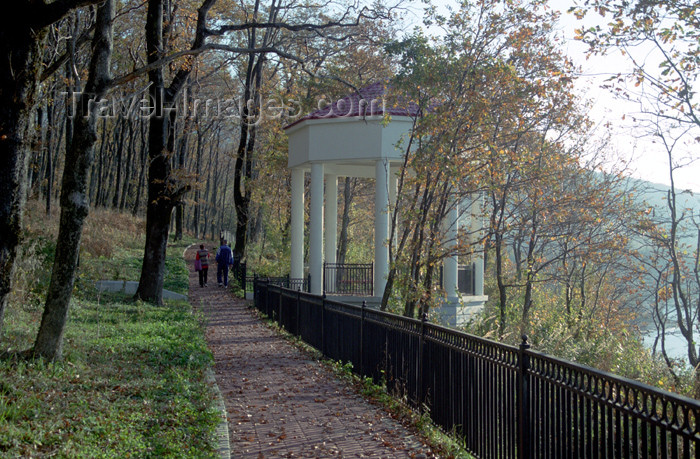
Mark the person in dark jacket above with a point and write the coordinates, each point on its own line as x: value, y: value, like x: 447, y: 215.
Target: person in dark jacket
x: 224, y: 259
x: 203, y: 257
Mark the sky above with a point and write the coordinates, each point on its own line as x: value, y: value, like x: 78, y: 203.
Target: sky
x: 646, y: 160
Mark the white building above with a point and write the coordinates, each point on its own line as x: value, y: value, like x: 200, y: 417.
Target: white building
x: 350, y: 138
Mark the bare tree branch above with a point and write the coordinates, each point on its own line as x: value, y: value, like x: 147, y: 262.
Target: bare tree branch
x: 193, y: 52
x: 48, y: 13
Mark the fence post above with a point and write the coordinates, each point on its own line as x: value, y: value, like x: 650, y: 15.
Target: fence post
x: 255, y: 290
x: 279, y: 309
x: 255, y: 280
x: 298, y: 309
x: 242, y: 277
x: 323, y: 324
x: 523, y: 400
x: 421, y: 347
x: 362, y: 338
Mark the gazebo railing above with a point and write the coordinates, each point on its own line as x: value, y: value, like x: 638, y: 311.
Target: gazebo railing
x: 348, y: 278
x: 300, y: 284
x: 466, y: 279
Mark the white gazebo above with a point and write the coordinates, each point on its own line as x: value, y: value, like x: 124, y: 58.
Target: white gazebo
x: 350, y: 138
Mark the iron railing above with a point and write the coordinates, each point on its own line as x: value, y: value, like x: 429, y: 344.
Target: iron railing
x: 249, y: 284
x: 300, y: 283
x: 466, y: 279
x: 503, y: 401
x: 282, y: 281
x: 348, y: 278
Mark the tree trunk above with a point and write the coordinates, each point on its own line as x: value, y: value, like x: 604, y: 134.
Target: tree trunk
x: 112, y: 166
x: 119, y: 146
x: 417, y: 243
x: 211, y: 184
x: 142, y: 173
x: 99, y: 187
x: 502, y: 293
x: 184, y: 144
x: 158, y: 211
x: 178, y: 221
x: 42, y: 150
x: 20, y: 46
x: 530, y: 275
x: 496, y: 224
x: 348, y: 191
x: 48, y: 170
x: 75, y: 201
x: 57, y: 140
x: 527, y: 305
x: 162, y: 198
x: 243, y: 165
x: 197, y: 192
x: 127, y: 172
x: 211, y: 207
x: 164, y: 191
x: 159, y: 206
x: 214, y: 175
x: 223, y: 196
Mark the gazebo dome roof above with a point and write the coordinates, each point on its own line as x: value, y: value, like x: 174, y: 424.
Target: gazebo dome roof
x: 351, y: 135
x: 368, y: 101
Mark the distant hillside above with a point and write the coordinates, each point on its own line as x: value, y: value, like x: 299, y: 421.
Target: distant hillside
x: 655, y: 194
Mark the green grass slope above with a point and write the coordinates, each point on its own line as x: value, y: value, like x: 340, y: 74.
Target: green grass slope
x: 131, y: 383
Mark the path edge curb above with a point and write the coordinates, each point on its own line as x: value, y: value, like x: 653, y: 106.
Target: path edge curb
x: 224, y: 448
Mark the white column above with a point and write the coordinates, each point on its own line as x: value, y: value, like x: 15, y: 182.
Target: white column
x: 331, y: 214
x: 297, y: 229
x: 449, y: 264
x: 381, y: 226
x: 316, y: 229
x: 476, y: 228
x: 393, y: 183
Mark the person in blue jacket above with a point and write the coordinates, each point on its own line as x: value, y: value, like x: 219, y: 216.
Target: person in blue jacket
x: 224, y: 259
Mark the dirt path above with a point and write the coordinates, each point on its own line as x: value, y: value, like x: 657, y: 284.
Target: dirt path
x: 279, y: 402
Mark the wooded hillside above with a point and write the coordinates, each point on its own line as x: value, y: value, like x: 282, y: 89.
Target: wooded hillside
x: 174, y: 111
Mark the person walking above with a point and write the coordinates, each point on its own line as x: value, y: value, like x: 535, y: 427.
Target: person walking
x: 203, y: 257
x: 224, y: 259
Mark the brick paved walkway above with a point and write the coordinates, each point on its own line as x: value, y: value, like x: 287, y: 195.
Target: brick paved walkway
x: 280, y: 403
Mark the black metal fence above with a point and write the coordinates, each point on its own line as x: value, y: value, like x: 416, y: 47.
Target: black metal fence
x: 348, y: 278
x: 504, y: 401
x: 301, y: 283
x: 355, y: 279
x: 281, y: 281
